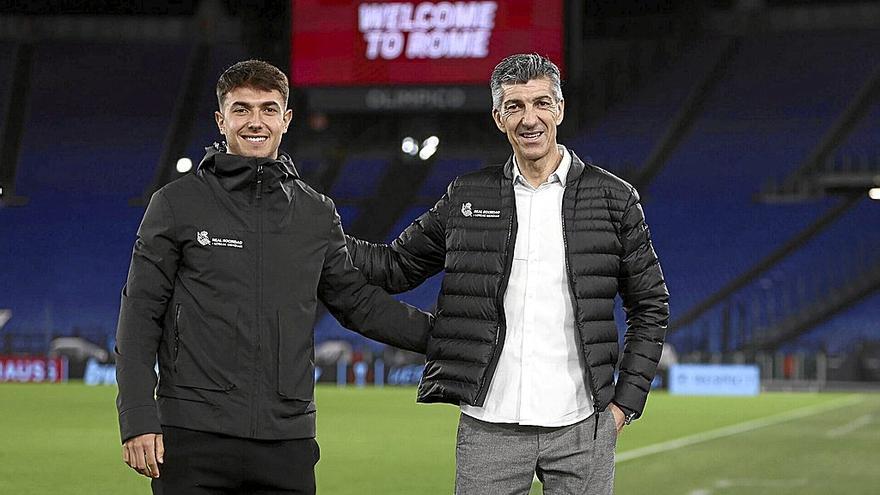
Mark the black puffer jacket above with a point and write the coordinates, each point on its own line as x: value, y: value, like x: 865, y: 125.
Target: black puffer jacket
x: 470, y: 233
x: 225, y: 277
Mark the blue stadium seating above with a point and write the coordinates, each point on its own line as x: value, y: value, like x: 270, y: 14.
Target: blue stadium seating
x: 625, y: 136
x: 841, y: 333
x: 308, y: 170
x: 442, y: 173
x: 358, y: 179
x: 863, y: 139
x: 94, y: 135
x: 781, y: 95
x: 205, y: 132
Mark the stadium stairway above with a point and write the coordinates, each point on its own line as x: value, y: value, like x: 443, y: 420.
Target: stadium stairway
x: 624, y: 138
x: 763, y: 119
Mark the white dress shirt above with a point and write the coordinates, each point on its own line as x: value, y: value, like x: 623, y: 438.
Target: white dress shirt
x: 539, y: 379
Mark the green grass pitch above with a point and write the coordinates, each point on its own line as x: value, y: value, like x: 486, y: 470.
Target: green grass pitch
x: 63, y: 439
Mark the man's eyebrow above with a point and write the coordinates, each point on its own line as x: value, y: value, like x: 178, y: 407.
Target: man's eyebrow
x: 517, y: 99
x: 262, y: 104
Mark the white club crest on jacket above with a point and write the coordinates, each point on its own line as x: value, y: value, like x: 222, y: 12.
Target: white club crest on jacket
x: 203, y: 238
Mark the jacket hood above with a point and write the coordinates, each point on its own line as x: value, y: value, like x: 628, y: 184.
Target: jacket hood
x: 237, y: 172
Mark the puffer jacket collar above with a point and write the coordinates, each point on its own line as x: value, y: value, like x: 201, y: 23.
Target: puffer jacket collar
x: 577, y: 168
x: 236, y: 172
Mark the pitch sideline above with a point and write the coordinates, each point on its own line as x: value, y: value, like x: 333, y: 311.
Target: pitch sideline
x: 735, y: 429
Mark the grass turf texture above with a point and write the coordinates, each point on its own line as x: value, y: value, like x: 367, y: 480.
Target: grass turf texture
x: 63, y: 439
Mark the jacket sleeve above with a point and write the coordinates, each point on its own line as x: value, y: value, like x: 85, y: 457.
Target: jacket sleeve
x: 145, y: 297
x: 418, y: 253
x: 366, y: 308
x: 646, y: 303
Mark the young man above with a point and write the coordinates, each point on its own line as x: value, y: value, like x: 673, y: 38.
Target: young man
x: 525, y: 341
x: 225, y: 276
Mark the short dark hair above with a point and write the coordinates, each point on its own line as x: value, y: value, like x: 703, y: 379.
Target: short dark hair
x: 520, y: 69
x: 252, y: 73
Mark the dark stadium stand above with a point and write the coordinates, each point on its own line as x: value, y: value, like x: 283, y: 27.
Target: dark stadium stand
x: 443, y: 172
x: 6, y: 62
x: 94, y: 137
x: 863, y: 139
x: 822, y: 268
x: 623, y: 139
x: 90, y: 144
x: 205, y: 131
x: 308, y: 169
x: 762, y: 119
x: 751, y: 129
x: 358, y: 179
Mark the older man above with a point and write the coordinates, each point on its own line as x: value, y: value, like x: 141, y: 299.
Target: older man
x: 525, y: 342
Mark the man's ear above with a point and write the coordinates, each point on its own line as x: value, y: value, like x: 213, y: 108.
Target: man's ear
x: 219, y: 118
x: 496, y: 116
x: 288, y: 116
x: 561, y: 114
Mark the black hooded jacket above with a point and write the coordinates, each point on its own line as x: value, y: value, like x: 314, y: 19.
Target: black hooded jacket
x: 226, y: 273
x: 470, y: 233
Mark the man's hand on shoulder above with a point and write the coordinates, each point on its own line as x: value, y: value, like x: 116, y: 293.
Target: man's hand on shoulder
x: 144, y: 453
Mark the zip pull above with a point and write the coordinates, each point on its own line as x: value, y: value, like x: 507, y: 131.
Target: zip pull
x: 259, y: 181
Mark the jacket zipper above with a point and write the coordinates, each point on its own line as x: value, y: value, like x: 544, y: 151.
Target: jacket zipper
x: 577, y: 332
x: 258, y: 326
x: 501, y: 328
x: 176, y: 351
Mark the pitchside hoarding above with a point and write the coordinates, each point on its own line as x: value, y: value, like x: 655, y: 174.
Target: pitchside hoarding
x: 15, y: 369
x: 415, y: 46
x: 714, y: 379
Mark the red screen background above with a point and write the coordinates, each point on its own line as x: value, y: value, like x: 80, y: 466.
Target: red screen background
x: 327, y: 48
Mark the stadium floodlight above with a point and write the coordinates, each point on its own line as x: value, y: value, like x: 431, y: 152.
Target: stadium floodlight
x: 429, y: 147
x: 1, y: 190
x: 874, y: 193
x: 409, y: 146
x: 184, y: 165
x: 431, y: 142
x: 426, y: 153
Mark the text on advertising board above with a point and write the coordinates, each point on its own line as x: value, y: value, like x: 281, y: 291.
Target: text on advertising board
x: 32, y: 369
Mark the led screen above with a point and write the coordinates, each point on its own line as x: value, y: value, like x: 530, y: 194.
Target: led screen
x: 360, y: 43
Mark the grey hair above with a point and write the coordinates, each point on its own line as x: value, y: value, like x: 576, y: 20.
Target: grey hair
x: 520, y: 69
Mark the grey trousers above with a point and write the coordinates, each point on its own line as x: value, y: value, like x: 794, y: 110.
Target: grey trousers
x: 502, y: 459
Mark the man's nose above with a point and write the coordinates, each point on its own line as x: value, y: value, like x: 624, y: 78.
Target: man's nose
x: 256, y: 122
x: 530, y: 117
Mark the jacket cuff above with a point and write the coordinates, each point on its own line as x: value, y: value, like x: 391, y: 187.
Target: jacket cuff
x: 138, y: 421
x: 630, y: 398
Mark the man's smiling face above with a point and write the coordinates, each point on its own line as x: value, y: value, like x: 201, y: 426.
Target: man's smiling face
x: 529, y: 114
x: 253, y: 121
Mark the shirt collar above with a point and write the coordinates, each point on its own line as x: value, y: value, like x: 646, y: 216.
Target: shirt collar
x: 560, y: 174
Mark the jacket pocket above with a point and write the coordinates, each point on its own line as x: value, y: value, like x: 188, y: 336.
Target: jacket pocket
x: 296, y: 357
x: 204, y: 349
